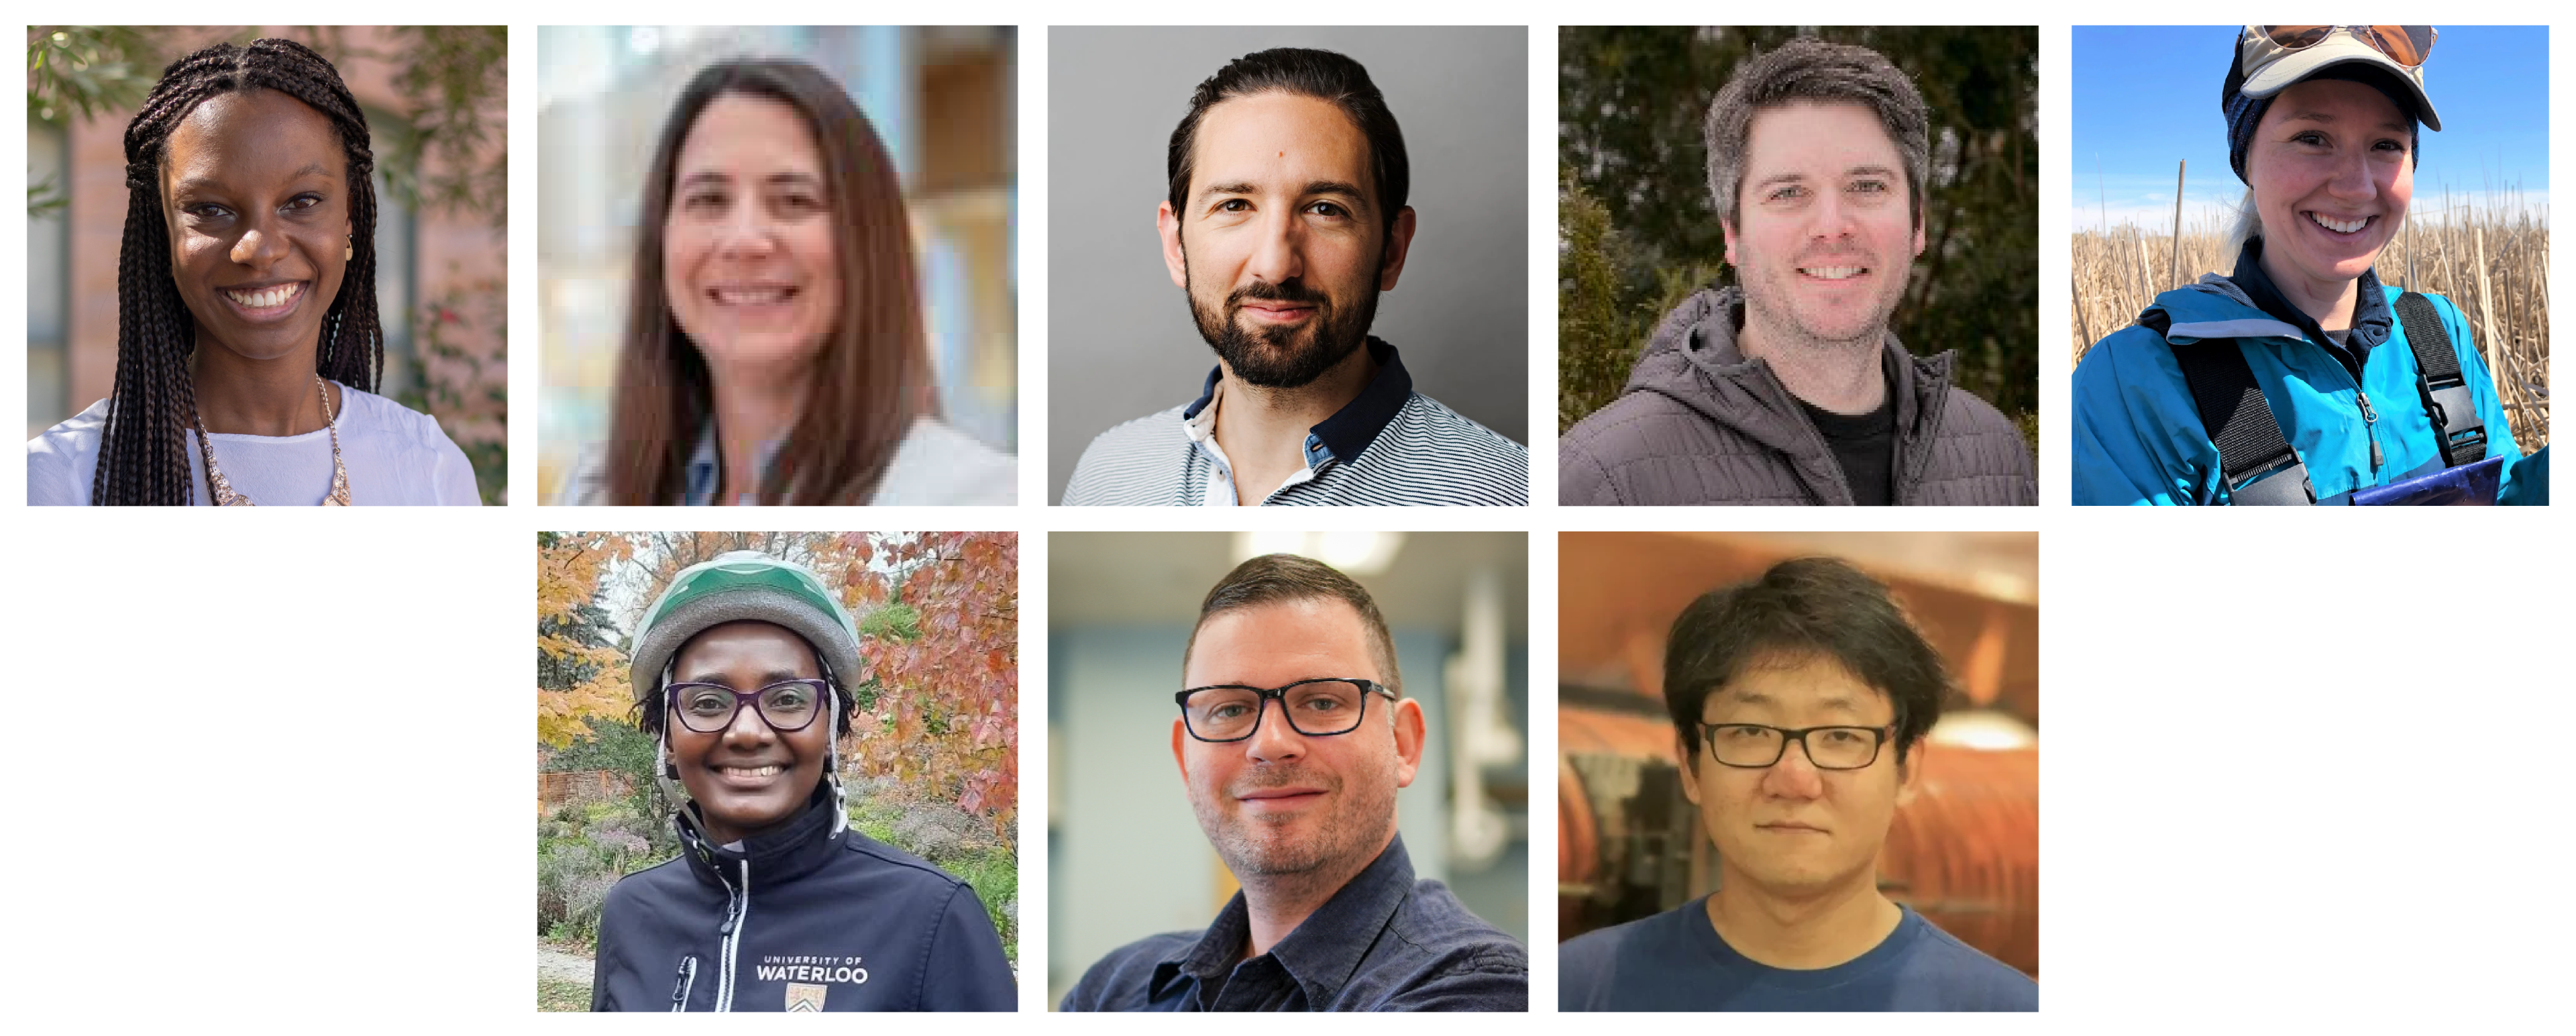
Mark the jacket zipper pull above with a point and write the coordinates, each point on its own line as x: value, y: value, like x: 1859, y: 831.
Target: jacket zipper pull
x: 2370, y: 429
x: 680, y: 987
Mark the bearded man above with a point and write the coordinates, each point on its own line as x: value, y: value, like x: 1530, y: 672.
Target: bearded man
x: 1285, y: 219
x: 1293, y: 737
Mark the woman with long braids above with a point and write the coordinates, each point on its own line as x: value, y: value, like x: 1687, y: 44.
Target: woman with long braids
x: 247, y: 340
x: 774, y: 350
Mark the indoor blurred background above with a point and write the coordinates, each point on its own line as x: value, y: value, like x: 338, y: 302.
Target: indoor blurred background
x: 1126, y: 858
x: 1964, y: 853
x: 435, y: 99
x: 943, y: 98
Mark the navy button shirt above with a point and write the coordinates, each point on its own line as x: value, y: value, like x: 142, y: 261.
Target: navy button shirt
x: 1385, y: 942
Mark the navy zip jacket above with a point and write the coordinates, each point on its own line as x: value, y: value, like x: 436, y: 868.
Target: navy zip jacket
x: 1385, y: 942
x: 804, y: 918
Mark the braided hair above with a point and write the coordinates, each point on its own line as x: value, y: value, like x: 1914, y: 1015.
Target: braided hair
x: 143, y: 453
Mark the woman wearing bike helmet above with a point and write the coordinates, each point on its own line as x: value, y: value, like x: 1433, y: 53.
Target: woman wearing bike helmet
x: 774, y: 904
x: 2301, y: 378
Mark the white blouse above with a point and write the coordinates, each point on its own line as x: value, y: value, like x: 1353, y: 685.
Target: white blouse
x: 394, y: 456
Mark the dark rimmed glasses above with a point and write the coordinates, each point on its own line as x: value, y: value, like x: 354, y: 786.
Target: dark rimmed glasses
x: 1315, y: 708
x: 1754, y: 746
x: 2408, y: 45
x: 787, y: 706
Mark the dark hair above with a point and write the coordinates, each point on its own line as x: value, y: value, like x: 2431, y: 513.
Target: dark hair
x: 871, y: 378
x: 143, y: 449
x: 1320, y: 74
x: 1279, y: 578
x: 1803, y: 608
x: 1810, y: 69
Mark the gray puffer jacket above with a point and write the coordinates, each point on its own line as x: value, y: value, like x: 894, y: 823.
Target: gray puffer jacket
x: 1700, y: 424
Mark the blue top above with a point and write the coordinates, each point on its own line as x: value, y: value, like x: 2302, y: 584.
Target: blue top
x: 1383, y: 943
x: 2350, y: 408
x: 1388, y: 445
x: 1675, y: 961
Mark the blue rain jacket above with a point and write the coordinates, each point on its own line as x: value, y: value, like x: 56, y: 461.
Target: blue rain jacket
x: 2139, y: 438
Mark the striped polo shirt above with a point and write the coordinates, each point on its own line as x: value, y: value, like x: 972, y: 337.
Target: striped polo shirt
x: 1389, y: 445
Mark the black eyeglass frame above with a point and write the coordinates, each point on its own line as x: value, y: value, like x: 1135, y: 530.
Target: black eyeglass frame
x: 821, y: 687
x: 1878, y: 743
x: 1279, y: 694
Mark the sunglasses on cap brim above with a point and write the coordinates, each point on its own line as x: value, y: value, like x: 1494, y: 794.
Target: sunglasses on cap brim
x: 2407, y: 45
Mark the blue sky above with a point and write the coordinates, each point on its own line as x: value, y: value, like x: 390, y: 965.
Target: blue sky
x: 2147, y: 97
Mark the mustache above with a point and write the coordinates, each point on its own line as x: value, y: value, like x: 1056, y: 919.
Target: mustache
x: 1281, y: 777
x: 1291, y: 290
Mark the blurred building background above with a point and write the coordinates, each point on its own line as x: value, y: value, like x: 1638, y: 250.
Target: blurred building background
x: 944, y: 98
x: 1964, y: 853
x: 1126, y: 858
x: 435, y: 99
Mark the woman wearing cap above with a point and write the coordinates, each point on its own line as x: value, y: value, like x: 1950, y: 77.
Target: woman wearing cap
x: 2300, y: 378
x: 774, y: 348
x: 774, y: 904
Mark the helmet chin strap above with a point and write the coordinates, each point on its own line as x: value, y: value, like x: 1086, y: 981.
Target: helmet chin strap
x: 832, y: 749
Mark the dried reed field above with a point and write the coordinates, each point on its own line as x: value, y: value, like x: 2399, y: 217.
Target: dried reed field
x: 2491, y: 263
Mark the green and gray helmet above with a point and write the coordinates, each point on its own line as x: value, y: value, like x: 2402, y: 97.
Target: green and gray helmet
x: 743, y: 585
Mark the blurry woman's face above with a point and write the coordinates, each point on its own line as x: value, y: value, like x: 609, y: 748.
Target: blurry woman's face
x: 747, y: 246
x: 255, y: 194
x: 2331, y: 178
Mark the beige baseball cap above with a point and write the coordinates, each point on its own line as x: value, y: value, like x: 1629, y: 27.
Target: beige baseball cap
x: 2271, y: 57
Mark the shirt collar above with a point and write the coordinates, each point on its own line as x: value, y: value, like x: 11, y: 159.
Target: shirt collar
x: 1350, y: 430
x: 1323, y: 951
x: 701, y: 482
x: 2371, y: 319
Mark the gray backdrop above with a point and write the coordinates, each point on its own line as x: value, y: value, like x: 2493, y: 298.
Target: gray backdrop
x: 1459, y: 314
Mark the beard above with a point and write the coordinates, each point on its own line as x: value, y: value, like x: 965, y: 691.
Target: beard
x: 1344, y: 838
x: 1282, y: 357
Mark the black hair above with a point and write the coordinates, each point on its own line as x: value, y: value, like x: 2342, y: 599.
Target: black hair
x: 1277, y: 578
x: 1802, y: 608
x: 143, y: 450
x: 1320, y: 74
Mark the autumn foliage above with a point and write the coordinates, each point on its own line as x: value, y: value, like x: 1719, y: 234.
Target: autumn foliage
x: 592, y: 679
x: 947, y: 699
x: 939, y: 615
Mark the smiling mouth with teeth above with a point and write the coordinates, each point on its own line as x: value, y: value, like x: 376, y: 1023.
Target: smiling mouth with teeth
x: 757, y: 771
x: 2341, y: 226
x: 1833, y: 273
x: 266, y: 298
x: 769, y: 296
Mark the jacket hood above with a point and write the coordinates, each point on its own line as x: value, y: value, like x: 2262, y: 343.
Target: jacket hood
x: 2215, y: 307
x: 1694, y: 360
x: 795, y: 848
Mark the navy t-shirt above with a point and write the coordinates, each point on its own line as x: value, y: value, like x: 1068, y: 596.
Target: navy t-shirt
x: 1674, y: 961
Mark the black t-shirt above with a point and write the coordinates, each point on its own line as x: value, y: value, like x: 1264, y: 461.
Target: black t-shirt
x: 1865, y: 444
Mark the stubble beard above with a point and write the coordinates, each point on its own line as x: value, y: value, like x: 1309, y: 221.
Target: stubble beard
x: 1783, y: 328
x: 1360, y: 811
x: 1274, y: 357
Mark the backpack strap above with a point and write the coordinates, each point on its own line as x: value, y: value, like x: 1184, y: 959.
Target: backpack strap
x: 2239, y: 420
x: 2447, y: 400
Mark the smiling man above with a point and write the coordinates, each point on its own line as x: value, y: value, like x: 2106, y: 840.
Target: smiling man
x: 1788, y: 388
x: 1799, y: 704
x: 1293, y: 736
x: 1285, y: 219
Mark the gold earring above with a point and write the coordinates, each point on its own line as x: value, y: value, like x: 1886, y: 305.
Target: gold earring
x: 350, y: 250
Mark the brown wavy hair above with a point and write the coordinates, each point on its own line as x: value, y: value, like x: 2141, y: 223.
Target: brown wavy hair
x: 871, y: 378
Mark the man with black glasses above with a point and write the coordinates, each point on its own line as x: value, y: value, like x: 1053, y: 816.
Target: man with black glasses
x: 1799, y: 704
x: 1292, y: 738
